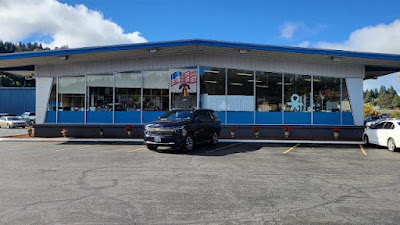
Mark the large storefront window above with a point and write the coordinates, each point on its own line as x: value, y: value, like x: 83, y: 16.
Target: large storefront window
x: 71, y: 98
x: 128, y: 97
x: 183, y: 88
x: 326, y: 100
x: 347, y: 115
x: 240, y: 99
x: 269, y: 98
x: 297, y: 90
x: 155, y: 94
x: 212, y: 90
x: 100, y: 98
x: 52, y: 104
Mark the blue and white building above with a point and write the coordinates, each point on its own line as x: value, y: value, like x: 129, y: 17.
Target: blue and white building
x: 247, y: 84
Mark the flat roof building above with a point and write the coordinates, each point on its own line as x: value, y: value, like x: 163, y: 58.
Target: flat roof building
x: 247, y: 84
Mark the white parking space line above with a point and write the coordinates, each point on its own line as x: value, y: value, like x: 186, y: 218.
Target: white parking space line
x: 217, y: 149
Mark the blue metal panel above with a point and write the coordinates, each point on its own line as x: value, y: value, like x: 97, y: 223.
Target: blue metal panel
x: 149, y: 116
x: 240, y: 117
x: 127, y: 117
x: 71, y: 116
x: 297, y: 118
x: 99, y: 117
x: 17, y: 100
x: 268, y: 117
x: 328, y: 118
x: 221, y: 115
x: 50, y: 117
x: 348, y: 118
x: 200, y: 42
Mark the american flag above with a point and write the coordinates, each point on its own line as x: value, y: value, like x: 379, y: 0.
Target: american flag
x: 188, y: 77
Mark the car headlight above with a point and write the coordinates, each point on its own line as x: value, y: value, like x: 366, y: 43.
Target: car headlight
x: 179, y: 129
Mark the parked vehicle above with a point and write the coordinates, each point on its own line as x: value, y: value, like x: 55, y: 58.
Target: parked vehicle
x: 372, y: 120
x: 29, y: 117
x: 385, y: 133
x: 12, y: 122
x: 183, y: 129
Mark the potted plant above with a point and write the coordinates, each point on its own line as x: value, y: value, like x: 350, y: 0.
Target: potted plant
x: 64, y: 132
x: 287, y: 129
x: 101, y: 132
x: 256, y: 130
x: 233, y: 131
x: 128, y: 129
x: 336, y: 132
x: 29, y: 129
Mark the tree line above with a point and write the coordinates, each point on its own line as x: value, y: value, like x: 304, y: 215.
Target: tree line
x: 385, y: 98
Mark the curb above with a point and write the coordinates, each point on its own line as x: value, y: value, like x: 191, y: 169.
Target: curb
x: 141, y: 141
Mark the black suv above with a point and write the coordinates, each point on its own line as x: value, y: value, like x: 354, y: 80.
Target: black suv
x: 183, y: 128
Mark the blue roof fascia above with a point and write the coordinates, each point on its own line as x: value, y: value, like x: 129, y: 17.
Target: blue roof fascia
x: 312, y: 51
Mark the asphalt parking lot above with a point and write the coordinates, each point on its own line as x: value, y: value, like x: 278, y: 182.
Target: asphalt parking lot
x: 4, y: 132
x: 231, y: 183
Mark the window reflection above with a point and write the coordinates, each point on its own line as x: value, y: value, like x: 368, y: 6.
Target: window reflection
x: 326, y: 94
x: 71, y: 93
x: 128, y: 91
x: 212, y: 88
x: 100, y: 92
x: 297, y: 90
x: 269, y: 92
x: 156, y: 90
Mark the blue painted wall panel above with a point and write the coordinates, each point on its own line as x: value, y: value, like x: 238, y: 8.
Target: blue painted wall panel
x: 268, y: 117
x: 17, y: 100
x: 50, y: 117
x: 99, y: 117
x: 327, y: 118
x: 297, y: 118
x: 348, y: 118
x: 71, y: 116
x: 240, y: 118
x: 127, y: 117
x: 149, y: 116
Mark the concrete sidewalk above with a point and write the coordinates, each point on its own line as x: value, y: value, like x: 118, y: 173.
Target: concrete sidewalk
x: 141, y: 140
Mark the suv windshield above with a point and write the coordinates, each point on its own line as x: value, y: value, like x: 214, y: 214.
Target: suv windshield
x: 177, y: 115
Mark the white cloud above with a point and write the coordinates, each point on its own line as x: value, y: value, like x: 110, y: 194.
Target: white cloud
x: 383, y: 38
x: 75, y: 26
x: 304, y: 44
x: 288, y: 29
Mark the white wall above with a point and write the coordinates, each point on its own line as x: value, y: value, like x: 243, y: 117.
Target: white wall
x: 355, y: 89
x: 43, y: 89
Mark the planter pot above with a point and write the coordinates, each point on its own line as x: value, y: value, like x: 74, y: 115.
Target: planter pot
x: 129, y: 133
x: 257, y: 133
x: 336, y: 134
x: 101, y: 134
x: 233, y: 134
x: 286, y: 134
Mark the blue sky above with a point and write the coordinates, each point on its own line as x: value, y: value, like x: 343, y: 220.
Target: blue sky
x: 356, y: 25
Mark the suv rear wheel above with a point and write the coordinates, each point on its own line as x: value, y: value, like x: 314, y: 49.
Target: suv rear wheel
x: 214, y: 138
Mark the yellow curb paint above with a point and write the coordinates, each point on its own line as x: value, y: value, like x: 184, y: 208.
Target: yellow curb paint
x: 290, y: 149
x: 363, y: 150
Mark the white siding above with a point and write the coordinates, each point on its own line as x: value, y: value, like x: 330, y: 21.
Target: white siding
x: 225, y: 61
x: 43, y: 89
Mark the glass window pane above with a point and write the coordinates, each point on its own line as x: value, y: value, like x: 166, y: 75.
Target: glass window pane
x: 156, y: 91
x: 269, y: 92
x: 127, y: 91
x: 297, y: 90
x: 347, y: 116
x: 71, y: 93
x: 52, y: 104
x: 100, y: 92
x: 240, y: 99
x: 183, y: 88
x: 326, y: 100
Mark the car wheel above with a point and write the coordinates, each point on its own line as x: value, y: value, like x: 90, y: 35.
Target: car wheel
x: 32, y: 123
x: 8, y: 126
x: 214, y: 138
x: 366, y: 140
x: 391, y: 145
x: 152, y: 147
x: 188, y: 144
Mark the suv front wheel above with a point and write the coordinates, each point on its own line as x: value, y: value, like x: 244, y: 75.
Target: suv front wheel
x: 188, y: 143
x: 152, y: 147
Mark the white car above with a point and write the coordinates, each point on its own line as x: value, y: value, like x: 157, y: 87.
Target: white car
x: 385, y: 133
x: 12, y: 121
